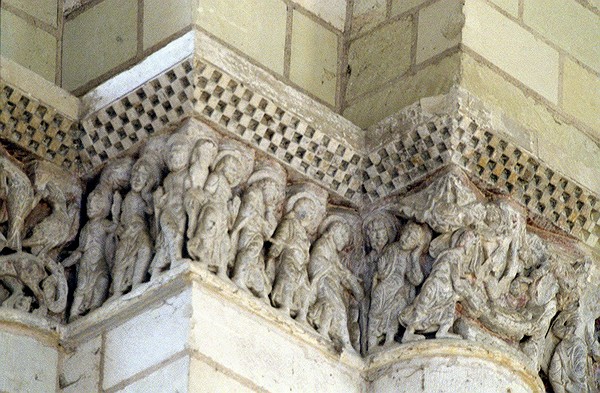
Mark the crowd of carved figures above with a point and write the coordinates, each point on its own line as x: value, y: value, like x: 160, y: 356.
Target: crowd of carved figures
x: 446, y: 262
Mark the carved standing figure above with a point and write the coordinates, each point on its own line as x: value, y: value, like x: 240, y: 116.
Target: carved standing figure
x: 398, y: 273
x: 329, y: 279
x: 434, y: 308
x: 211, y: 242
x: 169, y: 212
x: 289, y: 253
x: 256, y: 221
x: 134, y: 244
x: 92, y: 256
x: 17, y: 191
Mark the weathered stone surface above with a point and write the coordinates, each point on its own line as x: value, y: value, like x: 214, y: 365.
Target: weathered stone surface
x: 172, y: 377
x: 80, y: 367
x: 440, y: 27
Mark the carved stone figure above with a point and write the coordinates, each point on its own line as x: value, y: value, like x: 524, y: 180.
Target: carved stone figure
x: 329, y: 279
x: 92, y: 256
x: 260, y: 211
x: 17, y: 191
x: 434, y: 308
x: 134, y: 243
x: 211, y: 242
x: 398, y: 273
x: 289, y: 253
x: 203, y: 156
x: 169, y: 211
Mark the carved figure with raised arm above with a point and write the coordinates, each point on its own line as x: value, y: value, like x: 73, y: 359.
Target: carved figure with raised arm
x: 289, y: 252
x: 329, y: 280
x: 434, y: 308
x: 398, y: 273
x: 92, y: 256
x: 211, y: 242
x: 260, y: 211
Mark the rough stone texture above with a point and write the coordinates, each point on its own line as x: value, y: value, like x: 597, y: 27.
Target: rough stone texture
x: 98, y: 40
x: 313, y: 63
x: 230, y: 21
x: 80, y: 367
x: 142, y: 342
x: 511, y: 48
x: 378, y: 57
x: 27, y: 363
x: 568, y: 24
x: 28, y: 45
x: 440, y: 27
x: 214, y: 378
x: 366, y: 15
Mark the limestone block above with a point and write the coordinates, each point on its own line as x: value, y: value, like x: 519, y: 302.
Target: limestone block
x: 435, y: 79
x: 367, y: 14
x: 98, y: 40
x: 510, y: 6
x: 27, y: 45
x: 147, y: 339
x: 260, y: 351
x: 44, y: 10
x: 313, y: 63
x: 581, y: 94
x: 511, y: 48
x: 256, y: 28
x: 172, y: 377
x: 332, y: 11
x: 400, y: 6
x: 379, y: 56
x: 27, y: 364
x: 440, y: 26
x: 206, y: 378
x: 561, y: 145
x: 80, y: 370
x: 165, y: 18
x: 573, y: 27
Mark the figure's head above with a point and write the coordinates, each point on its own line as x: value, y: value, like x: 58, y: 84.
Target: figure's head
x: 340, y: 233
x: 98, y: 204
x: 140, y: 176
x: 412, y: 236
x: 381, y: 230
x: 205, y: 151
x: 178, y: 155
x: 304, y: 209
x: 230, y: 167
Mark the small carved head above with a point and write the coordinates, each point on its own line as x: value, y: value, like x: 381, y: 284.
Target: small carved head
x: 413, y: 235
x: 178, y: 155
x: 304, y: 210
x: 140, y: 176
x: 381, y: 230
x: 205, y: 151
x: 230, y: 167
x: 98, y: 204
x: 340, y: 232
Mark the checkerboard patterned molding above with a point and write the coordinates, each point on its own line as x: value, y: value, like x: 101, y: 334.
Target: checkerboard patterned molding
x: 150, y: 108
x: 493, y: 162
x: 38, y: 128
x: 277, y: 132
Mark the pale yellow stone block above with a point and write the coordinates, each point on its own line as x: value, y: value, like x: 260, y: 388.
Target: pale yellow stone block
x: 257, y: 28
x: 581, y: 94
x: 440, y: 26
x: 379, y: 56
x: 331, y: 11
x: 27, y: 45
x: 313, y: 64
x: 560, y: 145
x: 98, y: 40
x: 165, y: 18
x: 570, y: 25
x: 511, y: 48
x: 434, y: 79
x: 44, y: 10
x: 367, y: 14
x: 400, y: 6
x: 510, y: 6
x: 205, y: 378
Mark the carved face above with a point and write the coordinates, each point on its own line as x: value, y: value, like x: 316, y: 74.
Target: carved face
x: 304, y: 209
x: 411, y: 236
x: 140, y: 177
x: 179, y: 156
x: 204, y: 152
x: 230, y: 168
x: 271, y: 191
x: 378, y: 235
x: 98, y: 205
x: 341, y: 235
